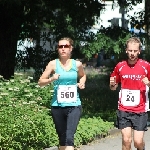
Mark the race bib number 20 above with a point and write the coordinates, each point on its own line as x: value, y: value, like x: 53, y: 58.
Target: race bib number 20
x: 67, y: 93
x: 130, y: 97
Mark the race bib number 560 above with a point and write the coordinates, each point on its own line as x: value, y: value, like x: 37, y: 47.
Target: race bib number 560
x: 67, y: 93
x: 130, y: 97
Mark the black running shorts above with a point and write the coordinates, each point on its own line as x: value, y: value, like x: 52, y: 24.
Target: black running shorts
x: 137, y: 121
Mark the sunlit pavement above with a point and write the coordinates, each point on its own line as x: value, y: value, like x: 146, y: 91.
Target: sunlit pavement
x: 113, y: 142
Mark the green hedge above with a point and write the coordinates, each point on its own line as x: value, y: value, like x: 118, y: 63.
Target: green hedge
x: 26, y: 123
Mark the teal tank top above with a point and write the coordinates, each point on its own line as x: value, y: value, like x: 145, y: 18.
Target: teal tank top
x: 66, y: 79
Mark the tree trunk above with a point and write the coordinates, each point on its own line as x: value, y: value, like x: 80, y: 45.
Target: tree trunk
x: 147, y: 22
x: 147, y: 14
x: 9, y: 32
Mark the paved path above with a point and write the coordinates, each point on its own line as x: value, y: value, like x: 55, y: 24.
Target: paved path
x: 113, y: 142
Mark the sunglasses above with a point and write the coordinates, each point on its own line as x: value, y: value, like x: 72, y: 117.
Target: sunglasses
x: 63, y: 46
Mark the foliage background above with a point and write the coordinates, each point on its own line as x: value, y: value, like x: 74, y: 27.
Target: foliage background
x: 26, y: 122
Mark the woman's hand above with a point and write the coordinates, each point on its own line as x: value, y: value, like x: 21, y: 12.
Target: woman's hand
x: 81, y: 85
x: 55, y: 76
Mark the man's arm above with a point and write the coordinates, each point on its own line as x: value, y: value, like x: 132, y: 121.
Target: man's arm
x: 114, y: 79
x: 113, y: 85
x: 146, y: 79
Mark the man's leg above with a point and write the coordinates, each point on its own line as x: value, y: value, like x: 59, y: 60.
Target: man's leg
x: 124, y: 123
x: 139, y: 140
x: 126, y: 138
x: 140, y: 126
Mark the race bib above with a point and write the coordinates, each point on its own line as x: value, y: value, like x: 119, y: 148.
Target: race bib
x: 130, y: 97
x: 67, y: 93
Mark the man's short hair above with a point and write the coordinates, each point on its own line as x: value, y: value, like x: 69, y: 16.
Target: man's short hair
x: 134, y: 40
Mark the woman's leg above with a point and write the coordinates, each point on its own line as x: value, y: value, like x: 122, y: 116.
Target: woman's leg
x: 60, y: 121
x: 73, y: 118
x: 66, y: 121
x: 66, y: 148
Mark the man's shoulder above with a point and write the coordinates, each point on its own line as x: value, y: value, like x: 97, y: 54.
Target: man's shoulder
x: 121, y: 63
x: 143, y: 62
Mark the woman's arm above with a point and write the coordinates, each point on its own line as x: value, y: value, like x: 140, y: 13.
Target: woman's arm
x: 81, y: 75
x: 45, y: 79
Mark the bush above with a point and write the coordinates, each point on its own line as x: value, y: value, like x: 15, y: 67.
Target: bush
x: 25, y: 123
x: 25, y: 120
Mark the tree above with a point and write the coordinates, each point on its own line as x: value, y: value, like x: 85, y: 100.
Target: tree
x: 21, y: 19
x: 141, y: 21
x: 111, y: 40
x: 147, y: 24
x: 9, y: 31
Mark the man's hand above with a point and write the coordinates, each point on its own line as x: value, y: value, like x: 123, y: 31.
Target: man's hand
x: 146, y: 81
x: 113, y: 84
x: 113, y: 81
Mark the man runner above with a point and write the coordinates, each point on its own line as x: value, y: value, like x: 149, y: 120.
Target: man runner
x: 133, y: 104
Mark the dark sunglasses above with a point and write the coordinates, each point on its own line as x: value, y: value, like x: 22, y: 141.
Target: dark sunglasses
x: 63, y: 46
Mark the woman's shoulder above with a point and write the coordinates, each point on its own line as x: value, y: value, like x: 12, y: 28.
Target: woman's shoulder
x: 52, y: 63
x: 78, y: 63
